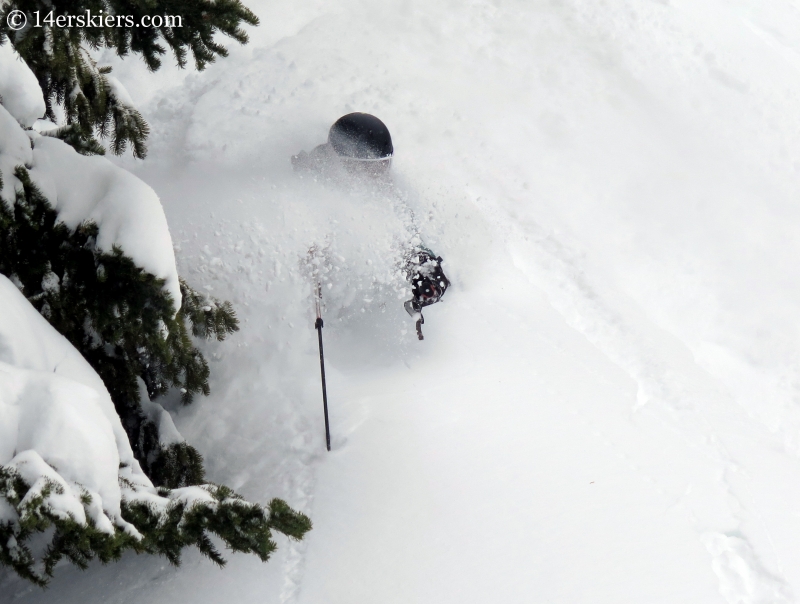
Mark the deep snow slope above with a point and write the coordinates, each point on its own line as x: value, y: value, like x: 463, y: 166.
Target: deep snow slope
x: 605, y: 408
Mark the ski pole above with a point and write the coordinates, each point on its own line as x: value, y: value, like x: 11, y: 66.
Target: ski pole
x: 318, y: 327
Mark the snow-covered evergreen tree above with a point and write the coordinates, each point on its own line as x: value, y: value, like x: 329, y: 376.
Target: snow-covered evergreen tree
x: 88, y: 245
x: 56, y: 274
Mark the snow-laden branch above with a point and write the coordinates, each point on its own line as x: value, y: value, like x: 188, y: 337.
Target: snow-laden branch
x: 128, y: 212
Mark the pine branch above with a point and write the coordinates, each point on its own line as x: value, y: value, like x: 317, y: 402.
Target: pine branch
x: 181, y: 520
x: 83, y: 143
x: 71, y: 79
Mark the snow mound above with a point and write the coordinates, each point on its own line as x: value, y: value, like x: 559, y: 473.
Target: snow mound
x: 27, y: 341
x: 58, y: 425
x: 19, y: 90
x: 58, y: 419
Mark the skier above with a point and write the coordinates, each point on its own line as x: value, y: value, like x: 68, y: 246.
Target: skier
x: 360, y: 144
x: 357, y: 143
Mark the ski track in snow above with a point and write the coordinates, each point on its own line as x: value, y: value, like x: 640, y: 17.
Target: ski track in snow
x: 605, y: 407
x: 561, y: 274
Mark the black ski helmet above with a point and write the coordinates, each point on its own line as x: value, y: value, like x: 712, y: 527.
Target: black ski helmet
x: 361, y: 136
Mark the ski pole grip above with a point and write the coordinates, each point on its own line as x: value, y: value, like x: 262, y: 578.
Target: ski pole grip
x: 318, y: 324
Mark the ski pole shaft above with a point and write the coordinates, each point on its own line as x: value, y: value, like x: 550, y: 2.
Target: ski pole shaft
x: 318, y: 325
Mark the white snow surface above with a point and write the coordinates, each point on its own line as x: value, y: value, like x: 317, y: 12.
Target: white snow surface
x: 605, y: 407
